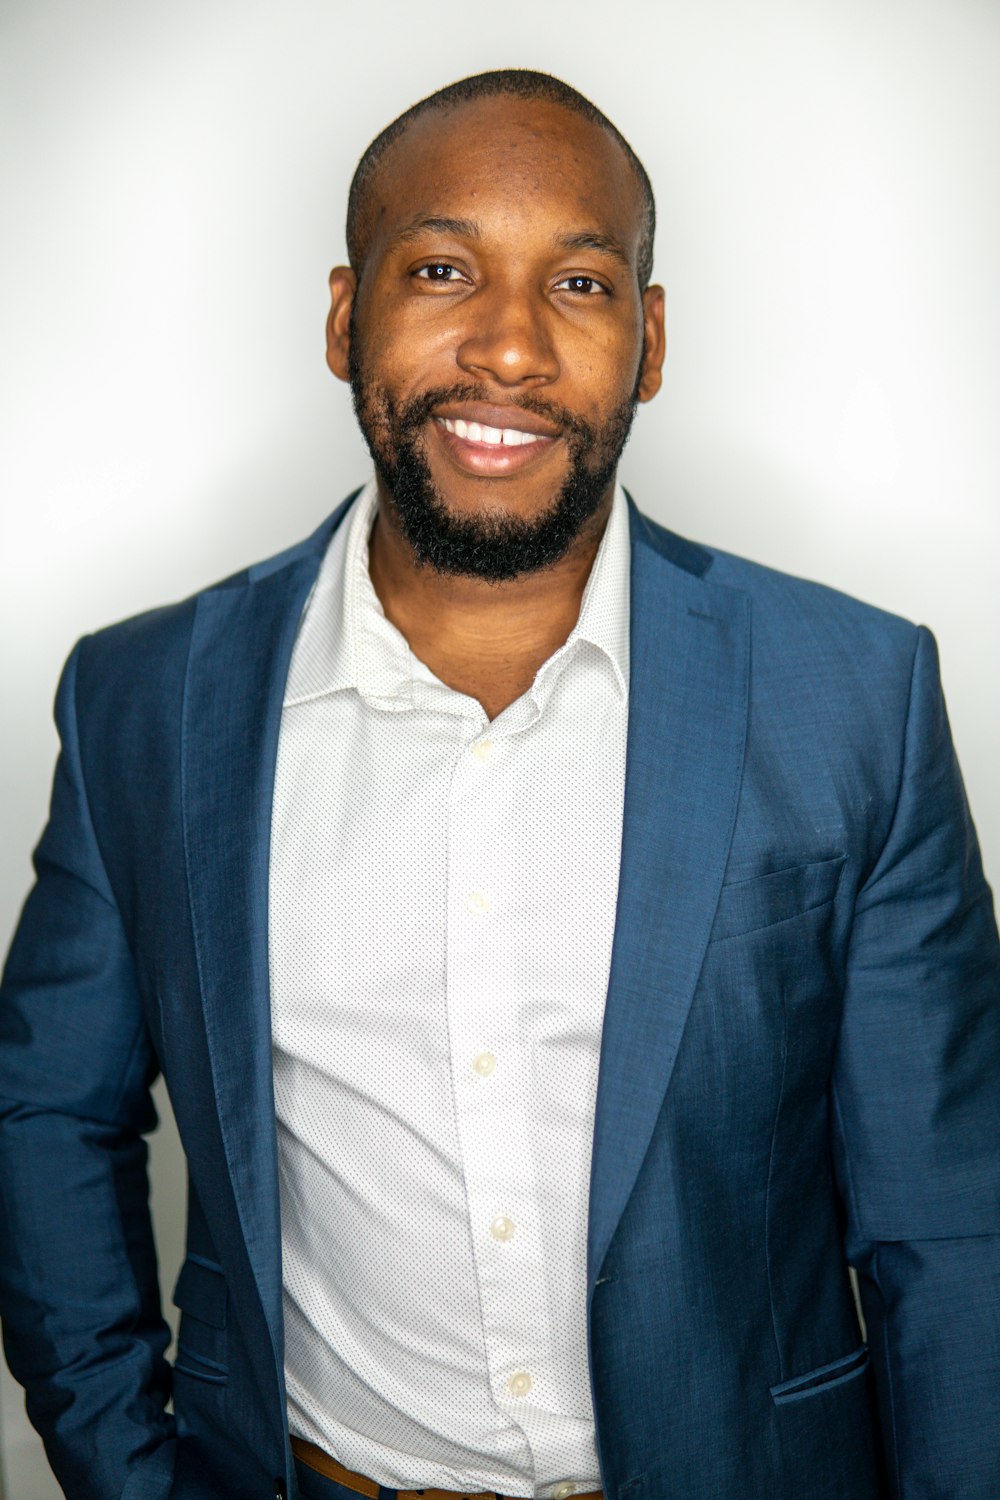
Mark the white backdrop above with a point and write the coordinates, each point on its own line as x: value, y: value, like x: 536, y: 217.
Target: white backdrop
x: 174, y: 178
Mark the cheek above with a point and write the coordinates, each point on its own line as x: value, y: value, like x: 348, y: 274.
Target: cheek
x: 603, y: 361
x: 410, y: 340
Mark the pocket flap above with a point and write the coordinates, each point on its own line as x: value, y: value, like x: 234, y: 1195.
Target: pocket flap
x: 821, y: 1379
x: 763, y: 900
x: 201, y: 1291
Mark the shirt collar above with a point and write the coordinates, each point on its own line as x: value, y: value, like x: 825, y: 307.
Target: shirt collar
x: 604, y: 609
x: 345, y: 640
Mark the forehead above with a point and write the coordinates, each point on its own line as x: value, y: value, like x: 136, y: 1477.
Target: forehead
x: 496, y: 156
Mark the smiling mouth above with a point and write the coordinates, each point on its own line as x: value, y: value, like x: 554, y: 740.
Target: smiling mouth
x: 479, y: 449
x: 491, y: 437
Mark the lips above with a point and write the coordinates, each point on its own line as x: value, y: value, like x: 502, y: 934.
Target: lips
x: 492, y: 441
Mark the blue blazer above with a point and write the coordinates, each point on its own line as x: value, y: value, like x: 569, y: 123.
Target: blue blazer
x: 800, y: 1063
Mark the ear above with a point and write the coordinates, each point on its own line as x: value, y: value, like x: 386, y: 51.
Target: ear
x: 654, y: 342
x: 343, y: 286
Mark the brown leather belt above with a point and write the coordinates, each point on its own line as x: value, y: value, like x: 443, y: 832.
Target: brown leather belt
x: 314, y: 1458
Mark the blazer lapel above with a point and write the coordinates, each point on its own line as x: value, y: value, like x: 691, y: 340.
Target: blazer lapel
x: 241, y: 646
x: 688, y: 694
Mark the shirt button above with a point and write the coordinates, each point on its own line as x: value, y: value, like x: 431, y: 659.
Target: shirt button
x: 502, y: 1228
x: 484, y: 1064
x: 477, y: 903
x: 483, y: 749
x: 561, y: 1491
x: 519, y: 1384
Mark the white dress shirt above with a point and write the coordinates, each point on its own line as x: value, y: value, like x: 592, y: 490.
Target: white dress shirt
x: 442, y: 905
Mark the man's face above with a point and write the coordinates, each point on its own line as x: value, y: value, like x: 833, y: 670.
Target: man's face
x: 498, y: 342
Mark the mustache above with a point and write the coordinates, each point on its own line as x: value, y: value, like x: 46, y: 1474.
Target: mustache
x: 415, y: 412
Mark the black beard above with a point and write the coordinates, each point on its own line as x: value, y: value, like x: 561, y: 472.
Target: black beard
x: 496, y: 546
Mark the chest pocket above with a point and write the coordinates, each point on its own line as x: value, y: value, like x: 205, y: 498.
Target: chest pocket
x: 764, y: 900
x: 203, y: 1299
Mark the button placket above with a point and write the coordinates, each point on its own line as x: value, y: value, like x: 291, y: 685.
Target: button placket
x: 512, y: 1292
x: 481, y: 988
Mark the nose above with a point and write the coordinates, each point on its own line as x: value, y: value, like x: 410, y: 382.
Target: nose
x: 508, y: 339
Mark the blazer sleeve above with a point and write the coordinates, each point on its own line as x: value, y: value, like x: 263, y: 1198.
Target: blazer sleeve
x: 917, y: 1122
x: 79, y: 1296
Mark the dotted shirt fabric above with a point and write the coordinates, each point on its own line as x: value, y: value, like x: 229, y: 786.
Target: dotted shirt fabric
x: 442, y: 903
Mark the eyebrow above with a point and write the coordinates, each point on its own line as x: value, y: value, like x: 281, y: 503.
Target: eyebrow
x: 589, y: 239
x: 468, y: 229
x: 465, y: 229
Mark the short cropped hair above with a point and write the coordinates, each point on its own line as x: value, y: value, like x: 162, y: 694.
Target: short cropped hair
x: 513, y: 83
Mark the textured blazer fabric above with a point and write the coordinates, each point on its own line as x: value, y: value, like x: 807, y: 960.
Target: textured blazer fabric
x: 800, y: 1064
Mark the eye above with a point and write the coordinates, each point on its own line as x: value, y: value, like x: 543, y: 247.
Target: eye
x: 587, y: 286
x: 439, y: 272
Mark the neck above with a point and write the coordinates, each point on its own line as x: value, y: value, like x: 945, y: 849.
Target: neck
x: 485, y: 639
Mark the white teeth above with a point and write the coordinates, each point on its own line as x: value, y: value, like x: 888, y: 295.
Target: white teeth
x: 474, y: 432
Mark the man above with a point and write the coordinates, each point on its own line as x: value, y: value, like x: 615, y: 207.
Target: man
x: 566, y: 947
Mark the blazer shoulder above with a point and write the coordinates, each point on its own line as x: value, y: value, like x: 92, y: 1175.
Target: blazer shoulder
x: 125, y: 683
x: 152, y: 645
x: 796, y: 609
x: 782, y: 591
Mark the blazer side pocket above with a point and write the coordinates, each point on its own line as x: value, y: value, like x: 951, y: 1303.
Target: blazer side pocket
x: 823, y: 1378
x: 764, y: 900
x: 203, y: 1298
